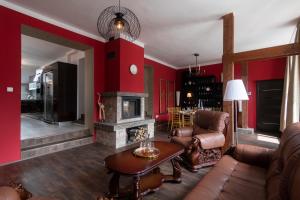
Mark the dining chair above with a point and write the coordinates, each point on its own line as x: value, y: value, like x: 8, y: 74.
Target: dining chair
x: 174, y: 117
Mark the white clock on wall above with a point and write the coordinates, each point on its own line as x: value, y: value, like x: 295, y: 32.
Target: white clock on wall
x: 133, y: 69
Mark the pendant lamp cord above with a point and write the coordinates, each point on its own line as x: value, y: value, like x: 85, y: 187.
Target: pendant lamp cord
x: 119, y: 5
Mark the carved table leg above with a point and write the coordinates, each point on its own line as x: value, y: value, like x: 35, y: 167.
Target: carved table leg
x: 176, y: 176
x: 176, y: 170
x: 114, y: 185
x: 136, y: 188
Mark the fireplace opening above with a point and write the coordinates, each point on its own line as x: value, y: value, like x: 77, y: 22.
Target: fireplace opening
x: 131, y: 107
x: 136, y: 134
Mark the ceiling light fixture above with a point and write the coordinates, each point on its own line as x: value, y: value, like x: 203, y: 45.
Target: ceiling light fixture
x: 116, y: 21
x: 197, y: 71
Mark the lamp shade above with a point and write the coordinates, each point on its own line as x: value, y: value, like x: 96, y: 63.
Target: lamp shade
x: 235, y: 90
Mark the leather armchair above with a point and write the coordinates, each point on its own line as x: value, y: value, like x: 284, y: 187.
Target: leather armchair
x: 203, y: 143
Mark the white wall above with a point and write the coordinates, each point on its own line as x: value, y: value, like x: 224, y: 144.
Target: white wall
x: 25, y: 73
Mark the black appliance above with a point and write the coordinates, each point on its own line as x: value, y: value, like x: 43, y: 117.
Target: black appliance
x: 60, y: 92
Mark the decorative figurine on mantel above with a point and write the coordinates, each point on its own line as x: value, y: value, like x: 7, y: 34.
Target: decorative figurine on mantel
x: 101, y: 109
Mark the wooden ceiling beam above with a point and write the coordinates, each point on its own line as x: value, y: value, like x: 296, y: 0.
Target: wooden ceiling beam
x: 266, y: 53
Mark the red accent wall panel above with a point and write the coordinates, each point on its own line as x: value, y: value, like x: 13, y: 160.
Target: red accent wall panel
x: 112, y: 66
x: 10, y: 74
x: 160, y: 72
x: 131, y: 54
x: 262, y: 70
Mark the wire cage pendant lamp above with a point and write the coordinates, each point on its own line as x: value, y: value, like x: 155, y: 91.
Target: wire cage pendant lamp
x: 116, y: 21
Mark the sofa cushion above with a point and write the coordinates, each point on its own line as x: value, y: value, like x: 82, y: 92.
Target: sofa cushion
x: 8, y: 193
x: 184, y: 141
x: 231, y: 179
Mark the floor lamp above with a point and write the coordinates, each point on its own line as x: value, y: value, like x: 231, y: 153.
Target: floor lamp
x: 235, y: 91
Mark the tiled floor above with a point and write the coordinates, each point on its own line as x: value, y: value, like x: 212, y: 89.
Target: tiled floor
x: 33, y: 128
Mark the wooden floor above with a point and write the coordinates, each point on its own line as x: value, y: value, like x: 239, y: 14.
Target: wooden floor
x: 80, y: 174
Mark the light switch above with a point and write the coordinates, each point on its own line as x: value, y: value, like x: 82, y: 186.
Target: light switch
x: 10, y: 89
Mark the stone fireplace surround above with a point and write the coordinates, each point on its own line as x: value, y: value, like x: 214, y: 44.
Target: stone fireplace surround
x: 113, y: 131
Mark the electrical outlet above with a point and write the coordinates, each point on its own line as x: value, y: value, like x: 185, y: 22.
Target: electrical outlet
x: 10, y: 89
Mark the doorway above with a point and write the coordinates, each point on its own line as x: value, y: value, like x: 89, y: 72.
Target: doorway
x: 268, y: 108
x: 148, y: 88
x: 45, y: 55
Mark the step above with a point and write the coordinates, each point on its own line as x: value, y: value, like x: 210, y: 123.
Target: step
x: 44, y: 149
x: 37, y: 142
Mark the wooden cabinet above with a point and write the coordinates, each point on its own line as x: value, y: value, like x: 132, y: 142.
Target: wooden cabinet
x: 203, y: 88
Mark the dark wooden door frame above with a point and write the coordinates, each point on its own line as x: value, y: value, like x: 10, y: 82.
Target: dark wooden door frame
x: 258, y: 102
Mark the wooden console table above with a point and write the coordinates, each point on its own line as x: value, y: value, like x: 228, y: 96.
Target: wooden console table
x: 145, y: 173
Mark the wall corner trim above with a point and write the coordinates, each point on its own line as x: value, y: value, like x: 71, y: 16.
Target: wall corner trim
x: 160, y: 61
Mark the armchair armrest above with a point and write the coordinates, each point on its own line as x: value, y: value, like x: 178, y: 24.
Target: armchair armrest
x: 253, y: 155
x: 210, y: 140
x: 182, y: 132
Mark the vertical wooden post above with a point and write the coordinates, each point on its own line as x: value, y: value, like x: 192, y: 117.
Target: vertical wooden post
x: 228, y: 73
x: 244, y: 73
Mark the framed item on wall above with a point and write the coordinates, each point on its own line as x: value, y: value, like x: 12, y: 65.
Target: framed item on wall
x: 163, y: 96
x: 171, y: 94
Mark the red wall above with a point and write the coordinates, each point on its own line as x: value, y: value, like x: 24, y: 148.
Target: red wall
x: 262, y: 70
x: 112, y: 66
x: 10, y: 74
x: 258, y: 70
x: 131, y: 54
x: 160, y: 72
x: 118, y: 74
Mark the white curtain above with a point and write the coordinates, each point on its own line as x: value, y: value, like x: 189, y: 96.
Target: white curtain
x: 290, y: 109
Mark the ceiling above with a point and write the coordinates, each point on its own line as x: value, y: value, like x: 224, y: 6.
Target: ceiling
x: 172, y: 30
x: 37, y: 53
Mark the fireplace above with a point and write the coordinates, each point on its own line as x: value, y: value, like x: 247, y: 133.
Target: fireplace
x: 131, y: 107
x: 124, y: 119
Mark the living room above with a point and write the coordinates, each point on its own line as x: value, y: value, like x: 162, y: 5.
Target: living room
x: 185, y: 95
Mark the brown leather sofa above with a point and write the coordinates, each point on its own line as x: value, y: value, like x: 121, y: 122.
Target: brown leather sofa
x: 203, y: 143
x: 255, y: 173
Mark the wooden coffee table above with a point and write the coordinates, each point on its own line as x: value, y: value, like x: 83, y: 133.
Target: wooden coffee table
x: 146, y: 173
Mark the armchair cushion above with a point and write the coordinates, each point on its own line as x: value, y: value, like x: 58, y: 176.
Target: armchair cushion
x: 184, y: 141
x: 211, y: 120
x: 211, y: 140
x: 198, y: 130
x: 183, y: 132
x: 253, y: 155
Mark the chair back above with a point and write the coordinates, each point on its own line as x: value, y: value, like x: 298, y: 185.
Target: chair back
x: 212, y: 120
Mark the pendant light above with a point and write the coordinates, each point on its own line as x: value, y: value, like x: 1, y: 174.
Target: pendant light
x: 116, y: 21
